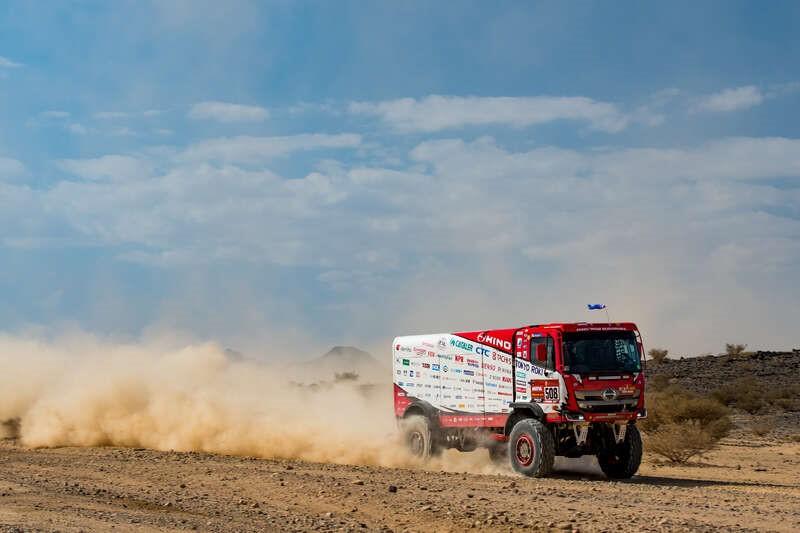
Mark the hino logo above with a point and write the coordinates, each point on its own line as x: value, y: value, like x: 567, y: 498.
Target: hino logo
x: 494, y: 341
x: 609, y: 394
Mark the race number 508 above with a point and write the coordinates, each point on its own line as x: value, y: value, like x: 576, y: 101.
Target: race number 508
x: 551, y: 394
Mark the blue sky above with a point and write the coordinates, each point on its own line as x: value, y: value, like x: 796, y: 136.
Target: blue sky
x: 307, y: 173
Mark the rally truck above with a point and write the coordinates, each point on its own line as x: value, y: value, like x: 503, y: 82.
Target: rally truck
x: 528, y: 394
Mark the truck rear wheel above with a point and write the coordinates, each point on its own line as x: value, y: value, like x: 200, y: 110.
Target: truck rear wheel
x: 623, y: 459
x: 531, y: 448
x: 418, y: 437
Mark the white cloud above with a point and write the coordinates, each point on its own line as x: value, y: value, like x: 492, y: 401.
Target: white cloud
x: 734, y: 99
x: 77, y: 128
x: 54, y: 114
x: 251, y: 150
x: 435, y: 113
x: 111, y: 115
x: 227, y: 112
x: 670, y: 237
x: 7, y: 63
x: 108, y: 167
x: 10, y: 167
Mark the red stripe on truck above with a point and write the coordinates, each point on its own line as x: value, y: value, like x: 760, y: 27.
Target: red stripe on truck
x: 463, y: 420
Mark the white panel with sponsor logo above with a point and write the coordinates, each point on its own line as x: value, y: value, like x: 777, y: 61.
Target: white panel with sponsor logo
x: 454, y: 374
x: 416, y: 368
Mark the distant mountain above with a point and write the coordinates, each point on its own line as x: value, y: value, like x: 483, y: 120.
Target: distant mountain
x: 341, y: 359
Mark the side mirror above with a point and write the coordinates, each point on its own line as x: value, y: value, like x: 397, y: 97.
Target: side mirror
x: 541, y: 353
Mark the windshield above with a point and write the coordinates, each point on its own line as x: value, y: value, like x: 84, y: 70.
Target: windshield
x: 601, y: 351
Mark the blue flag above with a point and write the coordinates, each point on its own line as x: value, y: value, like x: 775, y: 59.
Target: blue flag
x: 592, y: 307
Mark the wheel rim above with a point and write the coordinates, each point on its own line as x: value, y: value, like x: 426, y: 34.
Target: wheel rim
x: 416, y: 443
x: 525, y: 450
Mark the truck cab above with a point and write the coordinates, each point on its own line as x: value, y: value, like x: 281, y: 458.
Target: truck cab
x: 581, y: 372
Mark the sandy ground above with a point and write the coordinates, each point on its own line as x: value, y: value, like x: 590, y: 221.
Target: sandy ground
x: 755, y: 487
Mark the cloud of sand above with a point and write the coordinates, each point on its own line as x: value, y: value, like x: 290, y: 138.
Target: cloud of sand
x: 84, y: 391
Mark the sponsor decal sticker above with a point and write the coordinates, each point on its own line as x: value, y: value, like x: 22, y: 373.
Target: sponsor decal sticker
x: 494, y: 341
x: 458, y: 343
x: 503, y: 358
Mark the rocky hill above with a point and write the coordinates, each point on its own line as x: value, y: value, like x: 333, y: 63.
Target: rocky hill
x: 707, y: 373
x: 762, y: 388
x: 340, y: 360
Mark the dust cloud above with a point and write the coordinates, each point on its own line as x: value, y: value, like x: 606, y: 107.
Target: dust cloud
x: 84, y: 391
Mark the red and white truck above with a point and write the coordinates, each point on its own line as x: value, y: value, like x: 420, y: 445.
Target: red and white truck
x: 527, y: 393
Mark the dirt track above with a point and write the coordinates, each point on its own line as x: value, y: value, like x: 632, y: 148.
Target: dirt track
x: 73, y: 489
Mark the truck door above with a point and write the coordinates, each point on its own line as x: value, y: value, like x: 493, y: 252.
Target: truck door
x: 545, y: 387
x: 535, y: 378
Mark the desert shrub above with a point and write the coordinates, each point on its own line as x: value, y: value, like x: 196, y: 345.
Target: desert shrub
x: 735, y: 349
x: 679, y: 442
x: 9, y: 429
x: 675, y: 405
x: 762, y: 427
x: 795, y: 437
x: 681, y: 424
x: 746, y: 393
x: 345, y: 376
x: 787, y: 404
x: 751, y: 403
x: 789, y: 392
x: 658, y: 382
x: 658, y: 355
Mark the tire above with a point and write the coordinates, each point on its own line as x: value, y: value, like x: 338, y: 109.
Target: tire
x: 622, y: 460
x: 418, y: 437
x: 531, y: 448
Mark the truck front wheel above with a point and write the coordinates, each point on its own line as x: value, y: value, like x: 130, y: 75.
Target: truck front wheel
x: 418, y: 437
x: 622, y: 460
x: 531, y: 448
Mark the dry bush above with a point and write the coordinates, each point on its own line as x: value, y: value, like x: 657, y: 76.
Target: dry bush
x: 733, y: 350
x: 675, y: 405
x: 658, y: 355
x: 788, y: 404
x: 681, y: 424
x: 752, y: 395
x: 658, y: 382
x: 751, y: 403
x: 679, y: 442
x: 762, y: 427
x: 745, y: 393
x: 9, y: 429
x: 345, y: 376
x: 795, y: 437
